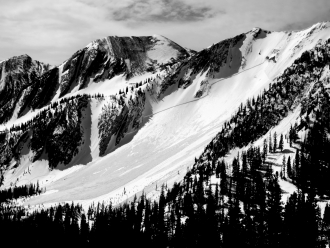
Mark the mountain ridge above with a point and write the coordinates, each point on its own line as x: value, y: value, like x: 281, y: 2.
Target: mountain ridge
x: 116, y: 125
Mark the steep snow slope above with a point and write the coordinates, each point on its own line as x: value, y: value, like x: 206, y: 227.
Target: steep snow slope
x: 216, y: 81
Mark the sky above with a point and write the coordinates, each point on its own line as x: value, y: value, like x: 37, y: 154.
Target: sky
x: 52, y: 30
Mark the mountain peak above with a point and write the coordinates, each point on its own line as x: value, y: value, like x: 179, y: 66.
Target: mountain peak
x: 140, y: 53
x: 17, y: 57
x: 158, y: 36
x: 258, y: 30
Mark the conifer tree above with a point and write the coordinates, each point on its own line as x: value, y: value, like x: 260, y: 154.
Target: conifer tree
x: 244, y: 164
x: 275, y: 142
x: 274, y: 213
x: 236, y: 168
x: 297, y: 166
x: 211, y: 222
x: 269, y: 172
x: 283, y: 167
x: 216, y: 194
x: 265, y: 151
x: 218, y: 170
x: 270, y: 143
x: 293, y: 136
x: 84, y: 229
x: 223, y: 182
x: 280, y: 146
x: 289, y: 168
x: 312, y: 215
x: 290, y: 136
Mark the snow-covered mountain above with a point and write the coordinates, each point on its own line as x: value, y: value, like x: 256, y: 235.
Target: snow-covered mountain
x: 126, y: 114
x: 19, y: 77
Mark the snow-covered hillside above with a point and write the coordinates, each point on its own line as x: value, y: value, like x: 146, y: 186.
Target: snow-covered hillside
x: 154, y: 108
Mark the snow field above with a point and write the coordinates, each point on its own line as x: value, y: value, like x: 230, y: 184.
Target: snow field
x: 168, y: 142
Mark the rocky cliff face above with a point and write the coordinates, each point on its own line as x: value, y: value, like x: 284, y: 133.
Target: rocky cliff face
x: 55, y: 132
x: 118, y: 116
x: 209, y: 61
x: 105, y: 58
x: 19, y: 77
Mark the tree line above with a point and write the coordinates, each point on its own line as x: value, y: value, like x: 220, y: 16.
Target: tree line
x: 20, y: 191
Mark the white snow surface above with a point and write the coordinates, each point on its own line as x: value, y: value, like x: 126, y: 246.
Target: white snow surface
x: 168, y: 142
x: 162, y: 51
